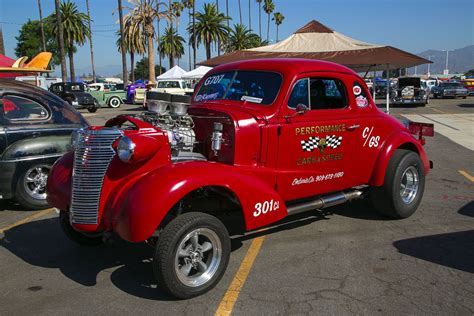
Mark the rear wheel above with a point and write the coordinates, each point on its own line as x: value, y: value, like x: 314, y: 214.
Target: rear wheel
x: 114, y: 102
x: 403, y: 187
x: 191, y: 254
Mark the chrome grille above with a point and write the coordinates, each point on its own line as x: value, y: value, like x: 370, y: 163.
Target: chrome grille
x: 91, y: 159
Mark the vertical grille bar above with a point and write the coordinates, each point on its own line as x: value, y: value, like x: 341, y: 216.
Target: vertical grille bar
x: 92, y: 157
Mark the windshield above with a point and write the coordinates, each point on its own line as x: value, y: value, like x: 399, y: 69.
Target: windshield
x: 451, y: 85
x: 251, y: 86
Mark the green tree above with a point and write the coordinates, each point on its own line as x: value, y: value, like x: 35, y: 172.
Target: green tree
x: 278, y: 18
x: 76, y: 29
x: 29, y: 43
x: 142, y: 68
x: 134, y: 42
x: 171, y: 45
x: 143, y: 15
x: 210, y: 27
x: 470, y: 72
x: 240, y: 37
x: 268, y: 7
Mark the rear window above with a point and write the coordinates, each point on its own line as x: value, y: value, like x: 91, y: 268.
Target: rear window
x: 252, y: 86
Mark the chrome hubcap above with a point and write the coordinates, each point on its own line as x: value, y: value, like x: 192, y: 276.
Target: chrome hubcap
x: 35, y: 182
x: 409, y: 185
x: 198, y: 257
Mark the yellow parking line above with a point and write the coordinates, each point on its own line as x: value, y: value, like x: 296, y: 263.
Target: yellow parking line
x: 27, y: 219
x: 227, y: 304
x: 467, y: 175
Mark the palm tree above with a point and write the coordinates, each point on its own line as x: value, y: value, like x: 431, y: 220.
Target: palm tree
x: 122, y: 44
x: 75, y: 27
x: 90, y: 41
x: 268, y: 7
x: 250, y: 16
x: 240, y: 12
x: 144, y: 13
x: 241, y: 37
x: 210, y: 27
x: 227, y: 12
x: 57, y: 25
x: 259, y: 17
x: 134, y: 42
x: 194, y: 34
x: 2, y: 45
x: 278, y: 18
x: 188, y: 4
x: 171, y: 45
x: 176, y: 9
x: 43, y: 41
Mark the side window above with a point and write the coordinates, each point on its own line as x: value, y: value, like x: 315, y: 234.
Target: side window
x: 17, y: 108
x: 299, y: 95
x: 319, y: 94
x: 174, y: 84
x: 360, y: 96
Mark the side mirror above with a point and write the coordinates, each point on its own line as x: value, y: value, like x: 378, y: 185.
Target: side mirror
x: 301, y: 109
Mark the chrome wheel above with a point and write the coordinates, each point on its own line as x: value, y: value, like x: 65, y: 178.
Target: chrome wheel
x: 35, y: 181
x: 198, y: 257
x: 409, y: 185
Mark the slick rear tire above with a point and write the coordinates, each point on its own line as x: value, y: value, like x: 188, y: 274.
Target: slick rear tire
x: 114, y: 102
x: 403, y: 187
x: 77, y: 237
x: 191, y: 255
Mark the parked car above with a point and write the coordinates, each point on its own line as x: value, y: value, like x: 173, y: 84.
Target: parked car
x: 450, y: 90
x: 35, y: 129
x: 131, y: 90
x: 263, y: 139
x: 75, y: 94
x: 469, y: 85
x: 411, y: 90
x: 107, y: 94
x: 174, y: 86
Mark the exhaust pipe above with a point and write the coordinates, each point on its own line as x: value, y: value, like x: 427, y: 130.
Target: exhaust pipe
x: 325, y: 201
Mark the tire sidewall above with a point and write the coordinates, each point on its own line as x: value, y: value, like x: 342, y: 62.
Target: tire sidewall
x: 403, y: 209
x: 21, y: 196
x: 168, y: 273
x: 111, y: 102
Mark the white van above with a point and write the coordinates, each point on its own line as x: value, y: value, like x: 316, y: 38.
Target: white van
x: 173, y: 86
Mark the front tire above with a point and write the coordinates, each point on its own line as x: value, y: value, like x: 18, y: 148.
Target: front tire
x: 191, y: 255
x: 31, y: 186
x: 77, y: 237
x: 114, y: 102
x: 403, y: 187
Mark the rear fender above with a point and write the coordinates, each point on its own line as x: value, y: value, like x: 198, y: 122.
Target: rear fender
x: 154, y: 195
x: 397, y: 140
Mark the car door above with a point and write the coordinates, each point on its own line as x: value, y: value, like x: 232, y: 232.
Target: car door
x: 316, y: 149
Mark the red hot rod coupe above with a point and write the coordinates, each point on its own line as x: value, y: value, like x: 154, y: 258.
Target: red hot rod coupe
x: 262, y: 138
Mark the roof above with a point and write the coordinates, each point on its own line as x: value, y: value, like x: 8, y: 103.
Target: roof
x: 285, y: 66
x: 174, y: 73
x: 317, y: 41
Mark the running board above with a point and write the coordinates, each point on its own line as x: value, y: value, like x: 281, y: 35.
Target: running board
x: 325, y: 201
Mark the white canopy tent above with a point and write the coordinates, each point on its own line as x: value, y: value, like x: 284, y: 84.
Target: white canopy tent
x: 174, y: 73
x: 197, y: 73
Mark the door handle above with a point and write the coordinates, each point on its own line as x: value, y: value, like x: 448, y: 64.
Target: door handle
x: 352, y: 127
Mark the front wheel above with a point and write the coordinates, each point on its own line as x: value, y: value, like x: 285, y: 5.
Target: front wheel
x: 80, y: 238
x: 403, y: 187
x: 191, y: 255
x: 31, y: 186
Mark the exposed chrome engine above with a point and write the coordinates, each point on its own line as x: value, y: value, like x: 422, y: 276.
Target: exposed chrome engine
x: 169, y: 113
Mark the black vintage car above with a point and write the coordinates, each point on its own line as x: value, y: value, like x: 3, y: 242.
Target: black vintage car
x: 35, y: 129
x: 75, y: 94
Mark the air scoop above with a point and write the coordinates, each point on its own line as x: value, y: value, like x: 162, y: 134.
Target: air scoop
x: 179, y: 104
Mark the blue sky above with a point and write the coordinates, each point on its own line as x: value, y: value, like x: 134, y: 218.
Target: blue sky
x: 411, y: 25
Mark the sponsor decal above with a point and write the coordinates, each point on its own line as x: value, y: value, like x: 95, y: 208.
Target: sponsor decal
x: 370, y: 140
x: 213, y: 79
x: 319, y: 178
x: 311, y: 130
x: 265, y: 207
x: 362, y: 101
x: 204, y: 97
x: 251, y: 99
x: 357, y: 90
x: 321, y: 143
x: 302, y: 161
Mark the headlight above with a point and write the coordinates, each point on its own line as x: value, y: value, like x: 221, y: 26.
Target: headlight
x: 125, y: 149
x: 76, y: 134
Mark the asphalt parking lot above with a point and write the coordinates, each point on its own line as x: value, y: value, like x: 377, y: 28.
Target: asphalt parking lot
x: 342, y: 261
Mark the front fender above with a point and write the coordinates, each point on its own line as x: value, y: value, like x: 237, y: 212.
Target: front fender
x: 152, y: 196
x: 37, y: 147
x: 393, y: 142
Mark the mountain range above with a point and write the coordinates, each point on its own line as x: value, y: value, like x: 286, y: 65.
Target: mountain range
x: 459, y: 60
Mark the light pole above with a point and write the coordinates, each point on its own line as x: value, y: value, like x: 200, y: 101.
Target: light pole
x: 429, y: 58
x: 446, y: 70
